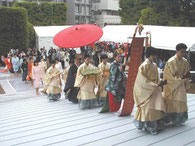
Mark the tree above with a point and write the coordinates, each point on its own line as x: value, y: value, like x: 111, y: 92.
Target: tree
x: 170, y: 12
x: 130, y: 10
x: 149, y: 16
x: 13, y: 29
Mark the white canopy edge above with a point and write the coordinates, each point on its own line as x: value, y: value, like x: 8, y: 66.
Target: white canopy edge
x: 49, y: 31
x: 45, y: 35
x: 162, y: 37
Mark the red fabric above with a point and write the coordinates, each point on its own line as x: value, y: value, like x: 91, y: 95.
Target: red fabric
x: 8, y: 65
x: 78, y: 36
x: 30, y: 65
x: 135, y: 62
x: 92, y: 45
x: 126, y: 52
x: 106, y: 45
x: 114, y: 106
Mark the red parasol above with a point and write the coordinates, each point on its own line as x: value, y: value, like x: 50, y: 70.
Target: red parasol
x: 78, y: 36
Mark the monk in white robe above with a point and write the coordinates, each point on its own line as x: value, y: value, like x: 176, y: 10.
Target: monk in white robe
x: 177, y: 74
x: 53, y: 83
x: 87, y: 84
x: 104, y: 69
x: 148, y: 96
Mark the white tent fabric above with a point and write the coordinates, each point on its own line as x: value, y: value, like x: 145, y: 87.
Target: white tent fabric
x: 192, y: 48
x: 162, y: 37
x: 45, y: 35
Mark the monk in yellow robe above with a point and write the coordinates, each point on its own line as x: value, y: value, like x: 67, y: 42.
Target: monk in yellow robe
x: 177, y: 74
x: 53, y: 83
x: 148, y: 96
x: 86, y: 83
x: 104, y: 69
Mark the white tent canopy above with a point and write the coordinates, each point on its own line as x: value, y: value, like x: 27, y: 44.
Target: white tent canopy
x: 45, y: 35
x: 162, y: 37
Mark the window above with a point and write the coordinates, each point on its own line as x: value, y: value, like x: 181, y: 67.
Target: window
x: 87, y: 20
x: 77, y: 9
x: 81, y: 9
x: 85, y: 11
x: 115, y: 13
x: 77, y: 20
x: 4, y: 3
x: 99, y: 12
x: 87, y: 1
x: 83, y: 21
x: 96, y: 1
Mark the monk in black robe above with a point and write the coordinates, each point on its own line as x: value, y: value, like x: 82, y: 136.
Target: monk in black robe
x: 69, y: 89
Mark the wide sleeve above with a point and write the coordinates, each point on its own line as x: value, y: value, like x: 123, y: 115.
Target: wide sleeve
x: 187, y: 81
x: 170, y: 75
x: 143, y: 87
x: 100, y: 68
x: 79, y: 78
x: 145, y: 75
x: 113, y: 72
x: 47, y: 77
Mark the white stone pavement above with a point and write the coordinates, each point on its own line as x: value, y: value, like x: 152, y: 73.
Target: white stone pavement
x: 30, y: 120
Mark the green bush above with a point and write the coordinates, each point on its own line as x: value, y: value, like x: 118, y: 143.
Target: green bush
x: 45, y: 13
x: 31, y: 36
x: 13, y: 29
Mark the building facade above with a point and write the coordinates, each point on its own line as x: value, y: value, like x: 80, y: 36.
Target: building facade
x: 79, y: 12
x: 10, y: 3
x: 106, y: 12
x: 100, y: 12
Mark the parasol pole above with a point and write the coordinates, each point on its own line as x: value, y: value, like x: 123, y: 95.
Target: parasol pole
x: 149, y: 35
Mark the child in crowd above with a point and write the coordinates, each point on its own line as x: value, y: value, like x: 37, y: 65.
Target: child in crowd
x: 36, y: 76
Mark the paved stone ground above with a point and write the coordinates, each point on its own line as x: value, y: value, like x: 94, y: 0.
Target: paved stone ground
x: 30, y: 120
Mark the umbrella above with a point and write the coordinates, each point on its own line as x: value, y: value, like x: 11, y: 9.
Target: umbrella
x: 78, y: 36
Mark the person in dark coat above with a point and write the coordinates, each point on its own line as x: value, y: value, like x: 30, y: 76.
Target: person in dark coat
x: 72, y: 53
x: 97, y: 58
x: 50, y: 54
x: 24, y: 69
x: 69, y: 89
